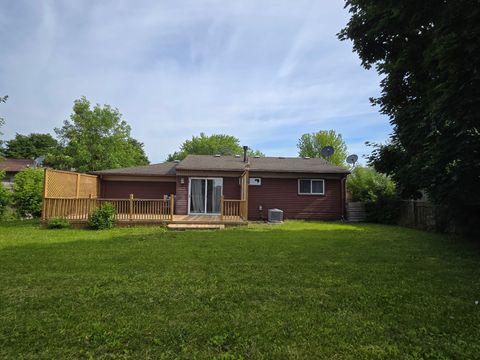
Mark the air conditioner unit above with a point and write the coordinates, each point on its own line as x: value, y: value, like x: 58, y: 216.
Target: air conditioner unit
x: 275, y: 215
x: 255, y: 181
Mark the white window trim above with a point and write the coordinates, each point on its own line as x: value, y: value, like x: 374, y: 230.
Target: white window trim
x: 311, y: 187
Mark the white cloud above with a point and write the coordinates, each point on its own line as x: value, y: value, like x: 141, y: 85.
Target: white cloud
x: 263, y: 71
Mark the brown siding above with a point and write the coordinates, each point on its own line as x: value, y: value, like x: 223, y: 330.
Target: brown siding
x: 139, y: 189
x: 231, y: 188
x: 181, y: 200
x: 283, y: 194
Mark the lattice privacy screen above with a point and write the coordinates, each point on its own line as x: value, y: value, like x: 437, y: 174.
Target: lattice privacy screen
x: 66, y: 184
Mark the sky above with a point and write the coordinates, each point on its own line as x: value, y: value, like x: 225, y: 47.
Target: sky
x: 264, y: 71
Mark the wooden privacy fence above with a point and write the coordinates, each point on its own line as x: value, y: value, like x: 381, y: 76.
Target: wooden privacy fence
x: 417, y: 213
x: 126, y: 209
x: 67, y: 184
x: 233, y: 209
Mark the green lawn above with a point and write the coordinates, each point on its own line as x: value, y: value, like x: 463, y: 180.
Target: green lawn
x: 294, y: 291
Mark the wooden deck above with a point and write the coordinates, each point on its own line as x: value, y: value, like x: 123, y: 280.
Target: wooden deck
x: 141, y: 211
x: 186, y: 219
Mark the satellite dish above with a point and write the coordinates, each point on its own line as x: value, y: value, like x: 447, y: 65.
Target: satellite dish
x: 352, y: 159
x: 39, y: 160
x: 327, y: 151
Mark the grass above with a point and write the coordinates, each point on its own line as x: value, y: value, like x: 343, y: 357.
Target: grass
x: 293, y: 291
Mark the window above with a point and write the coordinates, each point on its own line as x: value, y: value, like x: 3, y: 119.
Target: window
x: 311, y: 186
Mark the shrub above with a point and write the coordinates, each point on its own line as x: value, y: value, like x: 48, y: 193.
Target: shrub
x: 385, y: 209
x: 378, y: 191
x: 58, y: 223
x: 5, y: 196
x: 366, y: 184
x: 102, y: 217
x: 27, y: 192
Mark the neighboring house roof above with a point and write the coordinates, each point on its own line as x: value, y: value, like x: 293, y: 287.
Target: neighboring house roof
x: 231, y: 163
x: 16, y: 165
x: 163, y: 169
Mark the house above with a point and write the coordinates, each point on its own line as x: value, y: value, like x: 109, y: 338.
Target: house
x: 304, y: 188
x: 12, y: 167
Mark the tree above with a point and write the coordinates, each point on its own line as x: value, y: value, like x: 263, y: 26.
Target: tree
x: 427, y: 54
x: 96, y: 139
x: 30, y: 146
x: 211, y: 145
x: 378, y: 193
x: 27, y: 192
x: 366, y: 184
x: 311, y: 145
x: 2, y: 122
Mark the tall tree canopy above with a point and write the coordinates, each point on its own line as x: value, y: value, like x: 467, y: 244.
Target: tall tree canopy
x: 30, y: 146
x: 96, y: 139
x: 312, y: 144
x: 2, y: 122
x: 428, y: 54
x: 211, y: 145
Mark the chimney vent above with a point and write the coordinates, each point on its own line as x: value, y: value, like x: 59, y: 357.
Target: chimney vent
x: 245, y: 158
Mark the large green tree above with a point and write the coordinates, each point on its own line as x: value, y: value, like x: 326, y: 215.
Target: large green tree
x: 428, y: 55
x: 312, y: 144
x: 211, y: 145
x: 95, y: 139
x: 30, y: 146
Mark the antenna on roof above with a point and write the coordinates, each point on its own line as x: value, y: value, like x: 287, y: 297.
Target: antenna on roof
x: 327, y: 151
x: 39, y: 160
x: 352, y: 159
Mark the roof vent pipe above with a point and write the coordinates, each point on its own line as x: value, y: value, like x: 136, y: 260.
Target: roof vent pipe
x: 245, y: 158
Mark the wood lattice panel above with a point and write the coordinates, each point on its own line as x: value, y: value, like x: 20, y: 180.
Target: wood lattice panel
x: 66, y: 184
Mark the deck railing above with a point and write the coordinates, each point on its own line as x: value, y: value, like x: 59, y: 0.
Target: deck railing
x: 126, y: 209
x: 233, y: 209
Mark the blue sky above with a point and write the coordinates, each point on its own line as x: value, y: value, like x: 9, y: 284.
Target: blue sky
x: 264, y: 71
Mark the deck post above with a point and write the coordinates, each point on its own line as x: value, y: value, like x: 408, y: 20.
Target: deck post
x: 90, y: 197
x: 77, y: 190
x: 130, y: 215
x: 44, y: 204
x: 221, y: 207
x: 172, y: 204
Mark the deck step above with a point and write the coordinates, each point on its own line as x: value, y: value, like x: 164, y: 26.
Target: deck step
x: 196, y: 226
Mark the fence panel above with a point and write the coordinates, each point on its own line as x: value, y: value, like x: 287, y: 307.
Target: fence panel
x: 67, y: 184
x: 417, y: 213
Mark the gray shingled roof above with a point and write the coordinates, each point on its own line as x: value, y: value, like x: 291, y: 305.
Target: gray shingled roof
x: 264, y: 164
x: 231, y: 163
x: 212, y: 162
x: 295, y: 164
x: 163, y: 169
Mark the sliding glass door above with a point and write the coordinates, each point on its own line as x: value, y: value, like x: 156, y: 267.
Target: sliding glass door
x: 205, y: 194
